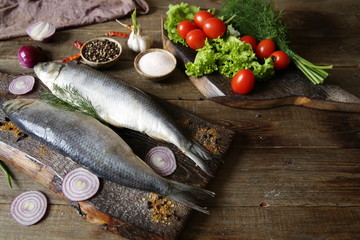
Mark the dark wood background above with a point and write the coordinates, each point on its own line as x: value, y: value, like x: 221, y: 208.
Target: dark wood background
x: 291, y: 172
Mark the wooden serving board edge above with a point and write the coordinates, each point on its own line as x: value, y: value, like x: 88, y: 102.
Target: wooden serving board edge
x: 47, y: 177
x: 214, y: 93
x: 32, y: 163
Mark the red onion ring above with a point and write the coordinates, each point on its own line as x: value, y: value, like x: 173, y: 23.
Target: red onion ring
x: 29, y: 207
x: 80, y: 185
x: 41, y: 31
x: 22, y: 84
x: 162, y: 160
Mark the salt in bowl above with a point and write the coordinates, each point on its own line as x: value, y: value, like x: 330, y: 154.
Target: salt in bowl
x: 155, y: 64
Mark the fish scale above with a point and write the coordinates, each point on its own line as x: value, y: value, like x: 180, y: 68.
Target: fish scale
x: 97, y: 148
x: 120, y: 105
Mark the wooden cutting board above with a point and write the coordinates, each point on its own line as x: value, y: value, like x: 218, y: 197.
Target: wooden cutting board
x: 128, y: 212
x: 288, y: 87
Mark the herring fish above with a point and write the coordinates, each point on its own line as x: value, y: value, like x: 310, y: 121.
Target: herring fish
x: 120, y: 105
x: 97, y: 148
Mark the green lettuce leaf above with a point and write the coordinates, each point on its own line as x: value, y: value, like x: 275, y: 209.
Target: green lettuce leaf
x: 204, y: 63
x: 228, y: 56
x: 176, y: 14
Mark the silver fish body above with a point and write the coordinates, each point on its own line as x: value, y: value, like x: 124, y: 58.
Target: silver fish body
x: 120, y: 105
x: 96, y: 147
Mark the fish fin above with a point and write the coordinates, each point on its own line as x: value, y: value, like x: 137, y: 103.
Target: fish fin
x: 197, y: 153
x: 189, y: 195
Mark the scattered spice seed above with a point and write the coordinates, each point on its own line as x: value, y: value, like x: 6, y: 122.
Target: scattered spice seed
x: 162, y: 209
x: 209, y: 138
x: 43, y: 149
x: 101, y: 51
x: 11, y: 127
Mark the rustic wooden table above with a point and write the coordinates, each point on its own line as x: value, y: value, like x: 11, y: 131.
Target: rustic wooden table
x: 291, y: 172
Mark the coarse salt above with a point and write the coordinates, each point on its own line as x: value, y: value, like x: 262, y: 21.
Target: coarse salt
x: 156, y: 63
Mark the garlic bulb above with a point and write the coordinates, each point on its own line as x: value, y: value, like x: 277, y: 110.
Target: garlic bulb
x: 138, y: 41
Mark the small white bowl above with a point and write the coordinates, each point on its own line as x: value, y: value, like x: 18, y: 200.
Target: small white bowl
x: 99, y: 64
x: 155, y: 64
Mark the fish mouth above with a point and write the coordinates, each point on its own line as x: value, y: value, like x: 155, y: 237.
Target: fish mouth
x: 47, y: 67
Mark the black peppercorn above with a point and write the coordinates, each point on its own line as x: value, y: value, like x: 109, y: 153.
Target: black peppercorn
x: 101, y: 51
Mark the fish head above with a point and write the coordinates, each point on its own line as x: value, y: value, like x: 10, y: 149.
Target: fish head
x: 16, y: 105
x: 48, y: 72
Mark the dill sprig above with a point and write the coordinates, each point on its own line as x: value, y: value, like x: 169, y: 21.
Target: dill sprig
x: 74, y: 101
x: 259, y: 19
x: 7, y: 173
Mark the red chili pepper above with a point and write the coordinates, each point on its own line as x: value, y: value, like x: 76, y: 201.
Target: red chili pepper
x: 68, y: 59
x: 78, y: 44
x: 118, y: 34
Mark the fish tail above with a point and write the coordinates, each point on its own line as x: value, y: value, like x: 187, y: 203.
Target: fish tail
x: 189, y: 195
x: 198, y: 154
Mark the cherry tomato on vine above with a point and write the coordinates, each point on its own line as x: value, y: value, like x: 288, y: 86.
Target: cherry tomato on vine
x: 243, y: 81
x: 184, y: 27
x: 201, y: 16
x: 250, y: 40
x: 281, y: 60
x: 214, y: 27
x: 196, y: 38
x: 265, y: 48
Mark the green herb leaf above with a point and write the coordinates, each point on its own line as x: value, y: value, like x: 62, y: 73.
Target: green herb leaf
x: 75, y: 102
x: 259, y: 19
x: 256, y: 18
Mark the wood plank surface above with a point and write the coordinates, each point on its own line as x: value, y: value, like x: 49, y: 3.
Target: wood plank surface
x: 290, y: 173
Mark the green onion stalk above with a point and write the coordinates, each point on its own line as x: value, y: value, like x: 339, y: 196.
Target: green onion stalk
x: 259, y: 19
x: 7, y: 173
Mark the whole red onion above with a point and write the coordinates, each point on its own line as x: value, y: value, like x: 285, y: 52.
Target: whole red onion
x: 29, y: 55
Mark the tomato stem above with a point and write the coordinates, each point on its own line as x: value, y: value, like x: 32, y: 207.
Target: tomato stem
x: 229, y: 20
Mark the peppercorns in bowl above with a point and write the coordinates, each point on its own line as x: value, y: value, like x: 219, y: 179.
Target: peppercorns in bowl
x: 101, y: 52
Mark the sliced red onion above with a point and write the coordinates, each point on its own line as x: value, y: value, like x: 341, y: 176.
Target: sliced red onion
x: 80, y: 185
x: 162, y: 160
x: 22, y: 85
x: 29, y: 207
x: 41, y: 31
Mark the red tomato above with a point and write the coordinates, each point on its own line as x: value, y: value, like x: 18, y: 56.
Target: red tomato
x: 214, y: 27
x: 184, y: 27
x: 265, y: 48
x: 250, y: 40
x: 196, y: 38
x: 281, y: 60
x: 243, y: 81
x: 201, y: 16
